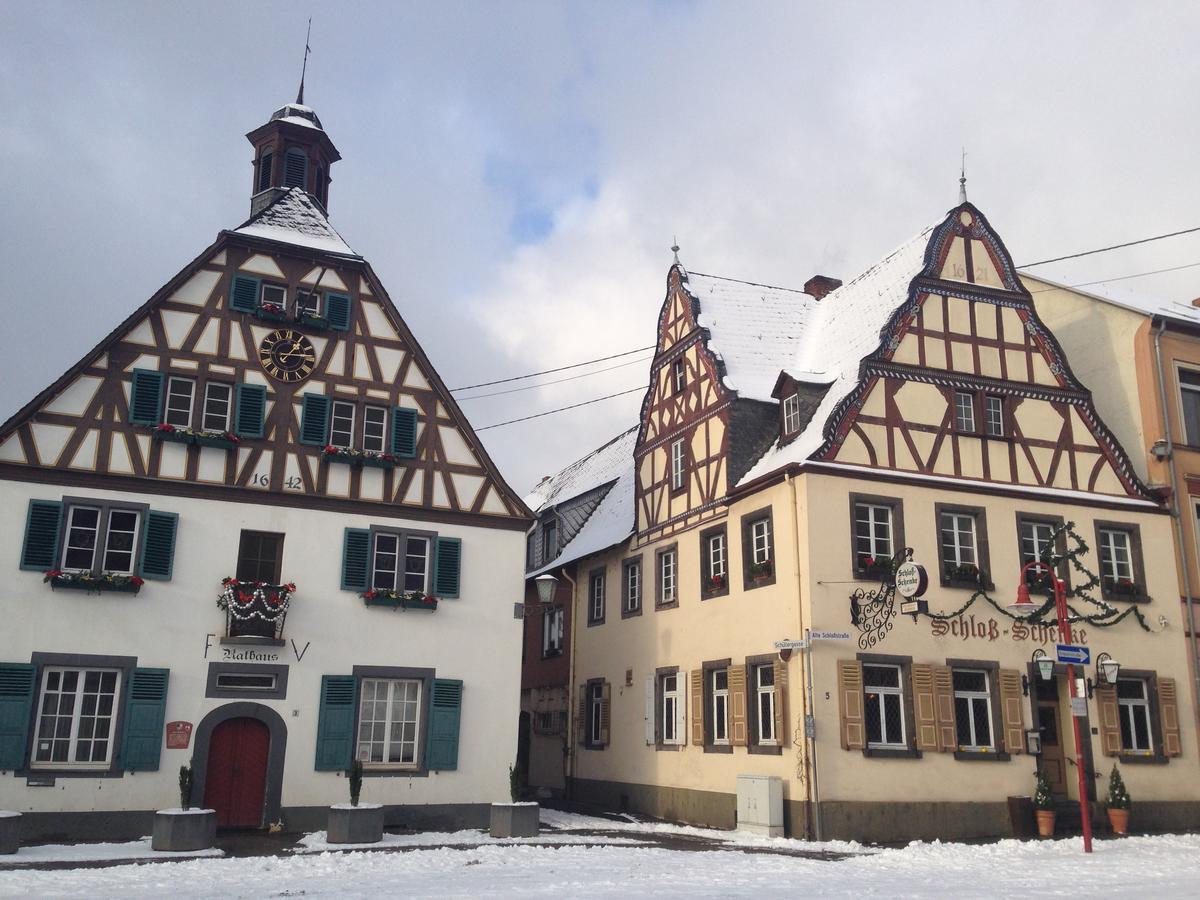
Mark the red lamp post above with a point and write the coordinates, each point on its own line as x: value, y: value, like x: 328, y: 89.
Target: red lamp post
x: 1023, y: 607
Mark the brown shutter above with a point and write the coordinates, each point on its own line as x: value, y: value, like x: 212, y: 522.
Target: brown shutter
x: 924, y: 707
x: 698, y: 707
x: 737, y: 706
x: 850, y: 704
x: 781, y: 692
x: 1168, y: 711
x: 943, y: 701
x: 1109, y: 716
x: 581, y: 716
x: 605, y: 702
x: 1010, y: 710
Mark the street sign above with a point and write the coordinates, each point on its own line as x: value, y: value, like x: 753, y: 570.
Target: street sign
x: 914, y: 607
x: 1079, y: 707
x: 829, y: 635
x: 791, y: 645
x: 1073, y: 653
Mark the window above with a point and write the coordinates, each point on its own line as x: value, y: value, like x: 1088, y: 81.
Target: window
x: 234, y: 681
x: 962, y: 545
x: 760, y: 538
x: 264, y: 170
x: 873, y: 545
x: 994, y: 408
x: 1133, y: 704
x: 719, y: 705
x: 973, y: 710
x: 549, y: 541
x: 308, y: 302
x: 274, y: 295
x: 596, y: 597
x: 677, y: 465
x: 595, y: 714
x: 679, y: 375
x: 76, y: 717
x: 1036, y: 542
x: 295, y: 168
x: 180, y: 392
x: 260, y: 556
x: 341, y: 424
x: 374, y: 428
x: 388, y: 719
x: 791, y: 413
x: 883, y: 707
x: 552, y: 632
x: 669, y: 689
x: 218, y: 399
x: 1116, y: 556
x: 764, y: 703
x: 1189, y: 397
x: 964, y: 411
x: 530, y: 551
x: 631, y: 583
x: 714, y: 562
x: 401, y: 562
x: 758, y: 563
x: 958, y: 542
x: 667, y: 578
x: 100, y: 539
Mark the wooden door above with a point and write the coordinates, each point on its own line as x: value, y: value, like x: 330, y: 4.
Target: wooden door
x: 235, y: 782
x: 1053, y: 760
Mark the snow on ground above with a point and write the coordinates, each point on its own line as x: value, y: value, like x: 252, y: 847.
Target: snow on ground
x: 316, y: 843
x: 81, y: 853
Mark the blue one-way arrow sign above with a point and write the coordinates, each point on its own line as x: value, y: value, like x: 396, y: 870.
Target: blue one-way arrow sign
x: 1073, y: 653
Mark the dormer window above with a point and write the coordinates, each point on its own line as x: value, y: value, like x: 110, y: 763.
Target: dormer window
x: 791, y: 414
x: 295, y: 168
x: 265, y: 163
x: 679, y: 375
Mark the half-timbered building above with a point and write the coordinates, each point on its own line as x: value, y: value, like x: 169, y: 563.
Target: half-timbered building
x: 252, y: 532
x: 793, y: 448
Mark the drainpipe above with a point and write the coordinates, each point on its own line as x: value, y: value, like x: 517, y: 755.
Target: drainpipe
x: 569, y: 740
x: 1177, y: 520
x: 811, y: 790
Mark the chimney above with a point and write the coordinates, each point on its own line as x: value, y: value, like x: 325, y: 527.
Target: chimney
x: 820, y: 285
x: 1196, y: 302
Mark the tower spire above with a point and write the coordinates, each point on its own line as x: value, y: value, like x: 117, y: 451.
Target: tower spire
x: 675, y: 249
x: 962, y: 179
x: 304, y: 66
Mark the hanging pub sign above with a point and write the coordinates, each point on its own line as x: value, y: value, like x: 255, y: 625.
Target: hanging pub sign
x: 911, y: 583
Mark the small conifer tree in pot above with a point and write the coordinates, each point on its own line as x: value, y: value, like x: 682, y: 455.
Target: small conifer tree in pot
x: 1044, y: 810
x: 1118, y: 802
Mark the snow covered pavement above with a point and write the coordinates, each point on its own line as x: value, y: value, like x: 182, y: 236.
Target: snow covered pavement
x: 735, y: 865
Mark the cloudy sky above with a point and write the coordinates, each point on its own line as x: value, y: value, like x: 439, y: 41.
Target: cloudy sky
x: 516, y: 171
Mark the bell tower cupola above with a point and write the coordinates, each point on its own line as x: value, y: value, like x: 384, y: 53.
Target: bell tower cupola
x: 291, y: 150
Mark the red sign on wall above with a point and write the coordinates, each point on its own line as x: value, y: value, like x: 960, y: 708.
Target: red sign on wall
x: 179, y: 735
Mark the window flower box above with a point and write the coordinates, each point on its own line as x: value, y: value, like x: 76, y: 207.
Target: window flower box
x: 175, y: 434
x: 312, y: 320
x: 715, y: 584
x: 223, y: 439
x: 272, y: 312
x: 353, y: 457
x: 964, y: 575
x: 400, y: 600
x: 254, y: 608
x: 1121, y: 587
x: 761, y: 572
x: 93, y: 584
x: 875, y: 566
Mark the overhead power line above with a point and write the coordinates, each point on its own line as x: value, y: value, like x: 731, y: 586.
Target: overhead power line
x: 540, y: 384
x: 549, y: 371
x: 562, y: 408
x: 1042, y: 262
x: 1119, y: 277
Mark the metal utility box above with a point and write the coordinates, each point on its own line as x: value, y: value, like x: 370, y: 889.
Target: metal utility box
x: 760, y: 804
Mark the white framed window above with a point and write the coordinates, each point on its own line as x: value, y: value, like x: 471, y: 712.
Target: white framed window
x: 101, y: 539
x: 964, y: 411
x: 595, y: 714
x: 760, y: 540
x: 389, y: 716
x: 883, y: 706
x: 716, y: 555
x: 274, y: 294
x: 218, y: 401
x: 872, y: 534
x: 552, y: 631
x: 791, y: 413
x: 633, y: 586
x: 679, y: 375
x: 549, y: 541
x: 1036, y: 539
x: 374, y: 428
x: 1133, y: 704
x: 1116, y: 555
x: 973, y: 710
x: 308, y: 302
x: 958, y: 540
x: 719, y: 699
x: 400, y: 562
x: 180, y: 394
x: 764, y: 698
x: 677, y: 458
x: 341, y: 424
x: 76, y: 718
x: 596, y: 597
x: 994, y: 410
x: 667, y: 577
x: 1189, y: 399
x: 669, y: 687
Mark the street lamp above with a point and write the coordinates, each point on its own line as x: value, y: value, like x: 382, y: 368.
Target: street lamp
x: 1045, y: 667
x: 1107, y: 672
x: 1025, y: 607
x: 545, y: 588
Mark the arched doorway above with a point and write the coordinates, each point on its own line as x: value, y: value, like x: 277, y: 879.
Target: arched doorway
x: 236, y: 786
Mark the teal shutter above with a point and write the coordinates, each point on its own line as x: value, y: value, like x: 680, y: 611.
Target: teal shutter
x: 243, y: 296
x: 158, y: 545
x: 337, y: 311
x: 447, y: 561
x: 404, y: 432
x: 445, y: 707
x: 335, y: 723
x: 16, y: 707
x: 251, y: 410
x: 145, y: 397
x: 145, y: 710
x: 42, y: 526
x: 314, y: 419
x: 356, y: 554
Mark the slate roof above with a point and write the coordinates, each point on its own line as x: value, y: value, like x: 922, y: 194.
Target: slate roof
x: 294, y: 218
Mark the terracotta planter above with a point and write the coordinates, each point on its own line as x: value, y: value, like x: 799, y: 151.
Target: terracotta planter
x: 1045, y: 822
x: 1119, y: 820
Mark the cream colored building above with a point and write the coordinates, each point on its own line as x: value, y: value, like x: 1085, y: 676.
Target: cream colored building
x: 792, y: 445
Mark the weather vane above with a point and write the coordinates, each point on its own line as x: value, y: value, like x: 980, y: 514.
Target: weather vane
x: 304, y: 65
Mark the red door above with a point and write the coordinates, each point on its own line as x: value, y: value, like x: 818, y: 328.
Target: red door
x: 235, y: 782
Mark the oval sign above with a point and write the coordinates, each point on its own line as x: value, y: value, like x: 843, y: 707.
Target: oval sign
x: 911, y: 580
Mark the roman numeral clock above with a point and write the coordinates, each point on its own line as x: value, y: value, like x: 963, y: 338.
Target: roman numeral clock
x: 287, y: 356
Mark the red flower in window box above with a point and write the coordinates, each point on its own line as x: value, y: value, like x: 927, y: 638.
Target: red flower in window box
x: 166, y: 427
x: 429, y: 600
x: 136, y: 580
x: 370, y: 595
x: 273, y: 308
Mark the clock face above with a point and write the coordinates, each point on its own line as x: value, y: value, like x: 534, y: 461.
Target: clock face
x: 287, y: 355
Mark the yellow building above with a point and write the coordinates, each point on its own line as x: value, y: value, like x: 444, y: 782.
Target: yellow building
x: 791, y: 448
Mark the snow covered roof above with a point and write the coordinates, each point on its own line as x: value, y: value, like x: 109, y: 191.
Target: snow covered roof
x: 754, y: 329
x: 298, y: 114
x: 294, y: 218
x: 1126, y: 299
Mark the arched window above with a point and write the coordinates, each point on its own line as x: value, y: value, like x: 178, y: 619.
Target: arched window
x: 265, y: 163
x: 295, y: 168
